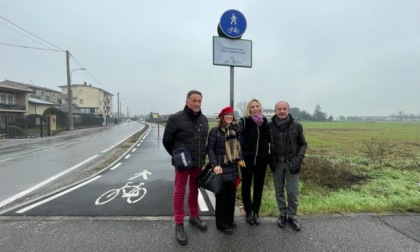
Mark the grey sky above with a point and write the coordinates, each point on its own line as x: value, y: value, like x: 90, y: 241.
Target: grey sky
x: 351, y: 57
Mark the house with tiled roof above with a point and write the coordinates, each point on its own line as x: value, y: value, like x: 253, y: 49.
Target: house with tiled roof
x: 13, y: 98
x: 39, y: 99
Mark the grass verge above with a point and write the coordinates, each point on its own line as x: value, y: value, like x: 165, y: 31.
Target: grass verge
x: 356, y: 167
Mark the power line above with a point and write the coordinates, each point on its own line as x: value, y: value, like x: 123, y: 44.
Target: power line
x: 80, y: 65
x: 30, y: 33
x: 30, y: 47
x: 22, y: 34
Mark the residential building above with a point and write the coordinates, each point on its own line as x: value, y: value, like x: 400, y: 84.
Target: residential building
x: 38, y: 106
x: 39, y: 99
x: 269, y: 113
x: 89, y: 99
x: 13, y: 98
x: 13, y: 105
x: 46, y: 94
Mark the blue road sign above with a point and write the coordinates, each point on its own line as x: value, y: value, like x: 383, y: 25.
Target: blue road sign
x: 232, y: 24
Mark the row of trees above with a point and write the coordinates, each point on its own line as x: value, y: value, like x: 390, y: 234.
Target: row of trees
x: 320, y: 116
x: 317, y: 116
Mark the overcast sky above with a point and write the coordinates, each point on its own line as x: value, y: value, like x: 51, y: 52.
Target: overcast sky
x: 353, y: 57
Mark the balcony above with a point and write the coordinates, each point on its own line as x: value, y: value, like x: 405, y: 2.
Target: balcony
x: 12, y: 107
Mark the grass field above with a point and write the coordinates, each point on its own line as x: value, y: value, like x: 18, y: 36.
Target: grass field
x: 356, y: 167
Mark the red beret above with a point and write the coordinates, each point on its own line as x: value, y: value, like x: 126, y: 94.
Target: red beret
x: 227, y: 110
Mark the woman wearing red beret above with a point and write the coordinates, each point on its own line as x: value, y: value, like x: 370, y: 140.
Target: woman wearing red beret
x: 223, y: 150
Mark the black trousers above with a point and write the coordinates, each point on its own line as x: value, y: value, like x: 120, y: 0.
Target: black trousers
x: 225, y: 205
x: 252, y: 174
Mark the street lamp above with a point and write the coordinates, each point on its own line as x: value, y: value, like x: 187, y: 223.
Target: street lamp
x: 82, y: 68
x: 70, y: 97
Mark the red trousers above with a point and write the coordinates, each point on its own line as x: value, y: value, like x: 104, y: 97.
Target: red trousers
x: 181, y: 179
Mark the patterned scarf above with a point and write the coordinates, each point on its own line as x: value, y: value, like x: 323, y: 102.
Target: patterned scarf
x: 232, y: 145
x: 258, y: 119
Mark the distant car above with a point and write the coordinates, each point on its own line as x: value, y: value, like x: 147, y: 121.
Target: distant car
x: 128, y: 120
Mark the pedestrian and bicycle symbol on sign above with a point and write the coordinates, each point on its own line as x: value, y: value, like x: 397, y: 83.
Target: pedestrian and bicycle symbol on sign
x: 232, y: 24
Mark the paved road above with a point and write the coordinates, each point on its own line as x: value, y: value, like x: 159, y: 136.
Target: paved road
x: 320, y: 233
x: 361, y: 232
x: 28, y: 164
x: 139, y: 183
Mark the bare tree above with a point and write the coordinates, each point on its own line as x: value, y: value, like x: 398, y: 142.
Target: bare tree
x: 412, y: 116
x: 401, y: 115
x: 241, y: 106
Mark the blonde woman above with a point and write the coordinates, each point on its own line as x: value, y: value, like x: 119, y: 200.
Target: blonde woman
x: 254, y: 140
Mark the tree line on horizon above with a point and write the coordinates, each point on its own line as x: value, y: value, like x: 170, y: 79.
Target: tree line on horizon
x: 320, y: 116
x: 299, y: 115
x: 302, y: 115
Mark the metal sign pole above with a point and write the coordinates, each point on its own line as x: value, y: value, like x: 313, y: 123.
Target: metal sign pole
x: 232, y: 77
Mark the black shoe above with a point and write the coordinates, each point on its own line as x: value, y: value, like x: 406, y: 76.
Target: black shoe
x: 295, y: 224
x: 233, y: 225
x: 198, y: 223
x: 249, y: 219
x: 181, y: 236
x: 281, y: 222
x: 257, y: 219
x: 228, y: 231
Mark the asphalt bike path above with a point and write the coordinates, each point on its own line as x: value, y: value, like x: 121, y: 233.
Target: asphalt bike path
x: 140, y: 183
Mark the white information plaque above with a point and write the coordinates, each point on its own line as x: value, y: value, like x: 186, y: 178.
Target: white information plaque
x: 232, y: 52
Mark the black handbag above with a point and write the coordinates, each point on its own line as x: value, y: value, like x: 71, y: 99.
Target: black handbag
x: 181, y: 158
x: 210, y: 180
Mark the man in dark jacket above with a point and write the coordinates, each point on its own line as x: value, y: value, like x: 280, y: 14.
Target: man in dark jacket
x: 187, y: 128
x: 288, y: 147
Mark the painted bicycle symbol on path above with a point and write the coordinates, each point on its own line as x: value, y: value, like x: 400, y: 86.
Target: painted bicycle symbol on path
x: 131, y: 191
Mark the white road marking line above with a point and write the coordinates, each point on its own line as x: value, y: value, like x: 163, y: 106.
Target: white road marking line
x: 202, y: 202
x: 134, y: 149
x: 212, y: 198
x: 109, y: 148
x: 128, y: 156
x: 147, y: 133
x: 116, y: 166
x: 57, y: 195
x: 33, y: 188
x: 7, y: 159
x: 24, y: 154
x: 113, y: 146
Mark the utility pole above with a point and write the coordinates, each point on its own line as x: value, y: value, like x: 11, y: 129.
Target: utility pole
x: 118, y: 102
x: 69, y: 93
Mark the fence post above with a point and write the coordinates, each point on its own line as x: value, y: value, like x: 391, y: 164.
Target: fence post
x: 41, y: 117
